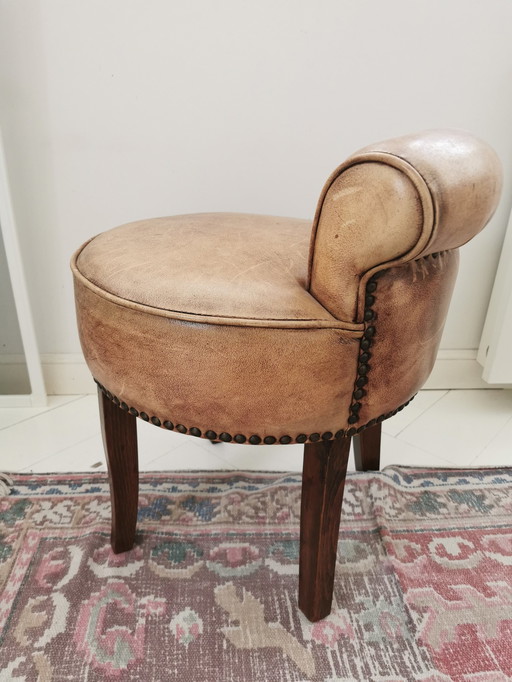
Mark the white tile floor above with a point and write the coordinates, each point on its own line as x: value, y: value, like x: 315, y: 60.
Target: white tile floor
x: 439, y: 428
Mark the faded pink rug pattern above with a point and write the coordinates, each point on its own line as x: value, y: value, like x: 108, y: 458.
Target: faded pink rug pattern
x: 423, y: 584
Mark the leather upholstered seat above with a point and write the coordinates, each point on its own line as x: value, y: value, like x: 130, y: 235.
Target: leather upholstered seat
x: 234, y: 345
x: 257, y: 329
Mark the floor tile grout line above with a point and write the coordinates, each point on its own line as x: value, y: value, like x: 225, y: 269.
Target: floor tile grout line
x: 499, y: 428
x: 238, y: 468
x: 44, y: 411
x: 497, y: 433
x: 427, y: 453
x: 154, y: 459
x: 446, y: 392
x: 173, y: 450
x: 229, y: 463
x: 58, y: 452
x: 219, y: 457
x: 207, y: 448
x: 448, y: 461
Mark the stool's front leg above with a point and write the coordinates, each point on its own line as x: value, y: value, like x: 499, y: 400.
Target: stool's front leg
x: 367, y: 448
x: 119, y: 431
x: 323, y: 480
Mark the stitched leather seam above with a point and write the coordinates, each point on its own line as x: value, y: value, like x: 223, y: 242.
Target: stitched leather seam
x: 430, y: 217
x: 352, y: 329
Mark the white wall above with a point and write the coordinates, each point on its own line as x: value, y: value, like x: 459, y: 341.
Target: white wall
x: 122, y: 109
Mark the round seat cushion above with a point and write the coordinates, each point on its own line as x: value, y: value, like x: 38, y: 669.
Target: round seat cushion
x: 204, y: 323
x: 212, y: 265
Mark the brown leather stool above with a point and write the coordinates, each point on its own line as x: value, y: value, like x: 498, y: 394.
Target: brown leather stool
x: 255, y: 329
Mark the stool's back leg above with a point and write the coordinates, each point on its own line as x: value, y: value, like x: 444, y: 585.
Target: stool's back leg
x: 367, y: 449
x: 119, y: 431
x: 323, y: 480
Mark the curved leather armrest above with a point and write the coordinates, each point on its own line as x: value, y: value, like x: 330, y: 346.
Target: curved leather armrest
x: 394, y: 202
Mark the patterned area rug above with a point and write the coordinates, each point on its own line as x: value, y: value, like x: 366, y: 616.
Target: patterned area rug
x: 423, y: 585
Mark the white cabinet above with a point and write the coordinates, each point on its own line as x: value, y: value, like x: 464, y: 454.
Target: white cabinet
x: 495, y: 352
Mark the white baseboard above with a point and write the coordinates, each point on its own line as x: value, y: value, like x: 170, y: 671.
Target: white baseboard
x: 14, y: 377
x: 67, y: 374
x: 64, y: 374
x: 457, y: 369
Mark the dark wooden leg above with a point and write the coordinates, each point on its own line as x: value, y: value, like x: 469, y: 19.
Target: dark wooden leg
x: 323, y: 480
x: 119, y: 431
x: 367, y: 449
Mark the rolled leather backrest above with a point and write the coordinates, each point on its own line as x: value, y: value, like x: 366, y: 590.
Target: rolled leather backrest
x: 395, y: 202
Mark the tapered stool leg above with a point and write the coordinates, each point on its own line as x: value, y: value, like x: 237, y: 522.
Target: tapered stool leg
x: 323, y: 480
x: 367, y: 448
x: 119, y: 431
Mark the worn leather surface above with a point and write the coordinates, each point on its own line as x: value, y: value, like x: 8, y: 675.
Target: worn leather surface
x: 261, y: 325
x: 462, y: 175
x: 223, y: 266
x: 396, y: 201
x: 410, y: 308
x: 371, y: 214
x: 227, y: 378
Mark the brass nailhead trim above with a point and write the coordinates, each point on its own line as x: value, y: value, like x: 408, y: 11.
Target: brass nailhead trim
x: 364, y: 355
x: 240, y: 438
